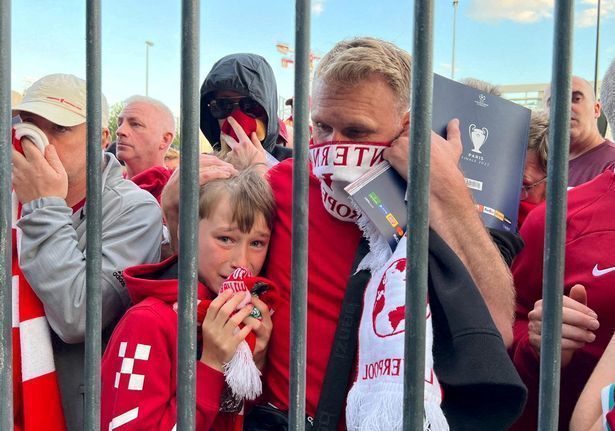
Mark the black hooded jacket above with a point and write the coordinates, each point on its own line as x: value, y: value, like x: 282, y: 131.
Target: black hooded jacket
x: 249, y: 75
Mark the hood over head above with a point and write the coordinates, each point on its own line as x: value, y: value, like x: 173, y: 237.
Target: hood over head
x: 249, y: 75
x: 158, y: 280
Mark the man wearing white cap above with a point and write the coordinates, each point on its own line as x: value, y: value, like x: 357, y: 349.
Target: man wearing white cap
x: 50, y: 187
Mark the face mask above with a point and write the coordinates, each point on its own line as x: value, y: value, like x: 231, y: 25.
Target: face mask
x: 337, y: 164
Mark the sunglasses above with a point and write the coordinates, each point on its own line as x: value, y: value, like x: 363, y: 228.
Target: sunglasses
x: 223, y: 107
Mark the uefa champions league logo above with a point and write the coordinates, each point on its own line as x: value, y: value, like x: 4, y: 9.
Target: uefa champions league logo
x: 478, y: 137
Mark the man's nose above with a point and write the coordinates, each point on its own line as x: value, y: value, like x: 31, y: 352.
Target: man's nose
x: 121, y: 129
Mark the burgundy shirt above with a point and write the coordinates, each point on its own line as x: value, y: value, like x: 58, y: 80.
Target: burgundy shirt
x: 591, y: 164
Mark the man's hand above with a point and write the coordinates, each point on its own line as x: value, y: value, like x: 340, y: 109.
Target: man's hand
x: 578, y: 323
x: 452, y: 214
x: 210, y: 168
x: 248, y: 150
x: 444, y: 153
x: 37, y: 175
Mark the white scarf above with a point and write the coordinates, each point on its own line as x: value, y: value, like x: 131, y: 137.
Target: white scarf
x: 337, y: 164
x: 375, y: 402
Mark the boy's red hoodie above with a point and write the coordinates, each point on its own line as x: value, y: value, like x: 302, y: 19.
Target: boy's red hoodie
x: 139, y: 367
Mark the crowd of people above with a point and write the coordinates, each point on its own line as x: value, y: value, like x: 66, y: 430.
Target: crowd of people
x: 484, y: 311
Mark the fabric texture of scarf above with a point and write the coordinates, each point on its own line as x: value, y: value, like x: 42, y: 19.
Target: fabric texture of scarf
x: 36, y: 394
x: 375, y: 401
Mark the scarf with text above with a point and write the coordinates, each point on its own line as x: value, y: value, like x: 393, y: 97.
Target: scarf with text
x: 375, y: 401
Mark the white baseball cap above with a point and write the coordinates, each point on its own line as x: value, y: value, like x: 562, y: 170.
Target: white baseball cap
x: 61, y: 99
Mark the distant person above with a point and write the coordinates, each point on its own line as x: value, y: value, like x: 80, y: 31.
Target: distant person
x: 534, y: 188
x: 49, y: 258
x: 171, y: 159
x: 590, y: 154
x: 484, y: 86
x: 242, y: 86
x: 146, y: 128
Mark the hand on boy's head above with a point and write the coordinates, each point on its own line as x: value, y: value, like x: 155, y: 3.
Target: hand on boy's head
x: 210, y: 168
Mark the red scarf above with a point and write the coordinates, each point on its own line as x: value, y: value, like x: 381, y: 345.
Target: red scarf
x: 37, y: 403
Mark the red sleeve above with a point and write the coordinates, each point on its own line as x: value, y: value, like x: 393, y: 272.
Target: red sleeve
x: 139, y: 376
x: 527, y: 274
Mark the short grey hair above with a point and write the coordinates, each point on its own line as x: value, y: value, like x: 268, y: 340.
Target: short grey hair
x: 351, y: 61
x: 607, y: 95
x: 161, y: 107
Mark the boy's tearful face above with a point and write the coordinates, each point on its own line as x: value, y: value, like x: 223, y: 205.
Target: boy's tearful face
x: 223, y: 247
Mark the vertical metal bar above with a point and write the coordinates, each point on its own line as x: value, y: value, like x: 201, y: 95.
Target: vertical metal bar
x: 455, y: 5
x: 93, y: 269
x: 597, y: 60
x: 298, y: 321
x: 188, y: 217
x: 6, y: 350
x: 418, y: 223
x: 555, y: 235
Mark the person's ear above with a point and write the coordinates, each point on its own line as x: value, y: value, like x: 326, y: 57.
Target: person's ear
x: 405, y: 123
x: 167, y: 140
x: 597, y: 109
x: 105, y: 138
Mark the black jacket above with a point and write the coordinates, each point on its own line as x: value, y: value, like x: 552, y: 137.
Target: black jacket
x: 482, y: 390
x: 249, y: 75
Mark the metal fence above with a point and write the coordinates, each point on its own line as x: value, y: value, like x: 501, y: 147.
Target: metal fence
x: 417, y: 246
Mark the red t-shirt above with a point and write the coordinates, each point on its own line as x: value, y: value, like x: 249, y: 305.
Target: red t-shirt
x: 332, y: 246
x: 590, y: 236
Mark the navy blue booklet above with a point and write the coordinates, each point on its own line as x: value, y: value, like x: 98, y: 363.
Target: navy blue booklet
x: 494, y: 135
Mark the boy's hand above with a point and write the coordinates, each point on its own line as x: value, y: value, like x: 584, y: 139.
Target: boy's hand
x: 221, y: 333
x: 262, y: 329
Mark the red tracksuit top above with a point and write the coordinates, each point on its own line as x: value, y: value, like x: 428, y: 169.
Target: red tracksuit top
x: 590, y: 261
x: 139, y: 367
x: 332, y: 245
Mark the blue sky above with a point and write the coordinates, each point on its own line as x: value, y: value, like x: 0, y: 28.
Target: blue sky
x: 504, y: 42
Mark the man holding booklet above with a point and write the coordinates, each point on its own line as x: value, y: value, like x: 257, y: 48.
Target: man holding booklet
x: 360, y: 104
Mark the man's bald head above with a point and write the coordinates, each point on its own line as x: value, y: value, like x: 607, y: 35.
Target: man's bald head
x: 584, y: 112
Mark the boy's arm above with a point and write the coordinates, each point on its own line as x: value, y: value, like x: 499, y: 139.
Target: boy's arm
x: 138, y: 388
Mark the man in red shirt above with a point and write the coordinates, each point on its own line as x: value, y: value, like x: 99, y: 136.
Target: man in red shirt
x: 146, y: 128
x: 365, y: 107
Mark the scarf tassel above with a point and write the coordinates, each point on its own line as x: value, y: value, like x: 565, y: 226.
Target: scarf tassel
x: 381, y: 411
x: 242, y: 375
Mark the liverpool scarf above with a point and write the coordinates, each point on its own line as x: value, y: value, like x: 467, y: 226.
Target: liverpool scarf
x: 36, y: 394
x: 375, y: 402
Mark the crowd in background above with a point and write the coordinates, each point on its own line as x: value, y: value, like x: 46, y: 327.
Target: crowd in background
x: 484, y: 309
